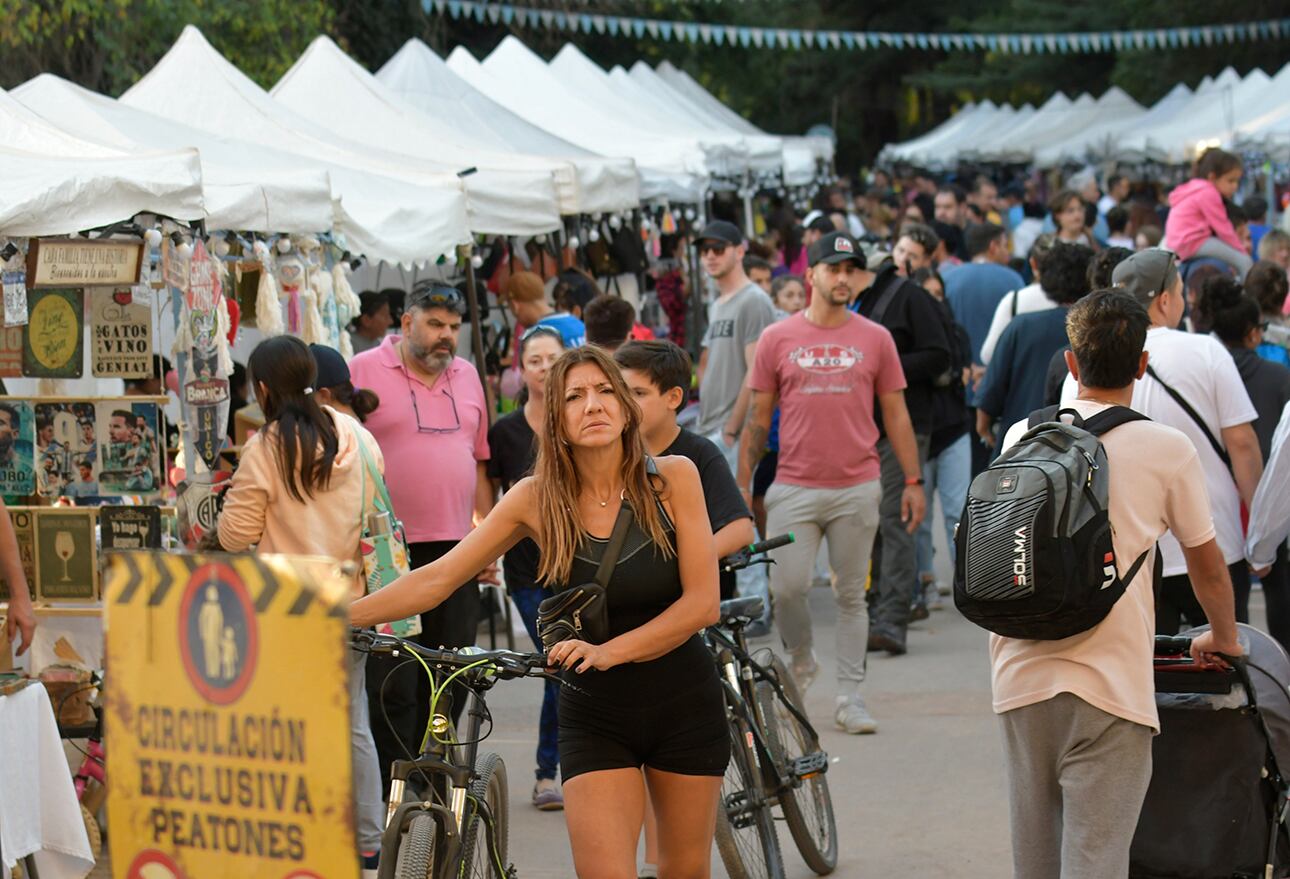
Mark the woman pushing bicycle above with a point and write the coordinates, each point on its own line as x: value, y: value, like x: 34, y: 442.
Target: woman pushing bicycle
x: 647, y: 695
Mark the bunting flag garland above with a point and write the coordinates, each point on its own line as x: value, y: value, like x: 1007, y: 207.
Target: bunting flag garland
x: 796, y: 38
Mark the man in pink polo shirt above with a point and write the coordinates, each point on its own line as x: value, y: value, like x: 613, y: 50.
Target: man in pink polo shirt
x: 827, y: 369
x: 432, y: 426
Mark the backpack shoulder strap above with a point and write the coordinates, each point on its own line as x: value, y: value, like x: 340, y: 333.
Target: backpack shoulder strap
x: 885, y: 297
x: 1016, y: 295
x: 1041, y: 416
x: 1194, y: 416
x: 1109, y: 419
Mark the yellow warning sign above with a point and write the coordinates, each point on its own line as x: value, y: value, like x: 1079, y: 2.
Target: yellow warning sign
x: 227, y: 723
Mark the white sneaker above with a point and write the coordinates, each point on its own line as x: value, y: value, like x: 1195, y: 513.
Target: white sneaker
x: 932, y: 595
x: 804, y: 671
x: 853, y: 718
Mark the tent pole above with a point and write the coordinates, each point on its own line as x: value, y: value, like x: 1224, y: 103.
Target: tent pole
x: 748, y: 206
x: 466, y: 255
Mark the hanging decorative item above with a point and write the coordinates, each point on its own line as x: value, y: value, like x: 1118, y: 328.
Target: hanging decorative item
x: 268, y: 307
x: 53, y: 342
x: 291, y: 277
x: 347, y: 304
x: 122, y: 332
x: 13, y: 276
x: 203, y: 332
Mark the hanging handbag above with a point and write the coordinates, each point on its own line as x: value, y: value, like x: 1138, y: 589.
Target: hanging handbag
x: 581, y: 612
x: 383, y: 545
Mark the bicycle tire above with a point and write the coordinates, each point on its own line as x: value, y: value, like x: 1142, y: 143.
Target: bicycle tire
x: 415, y: 858
x: 489, y: 787
x: 808, y: 808
x: 746, y: 836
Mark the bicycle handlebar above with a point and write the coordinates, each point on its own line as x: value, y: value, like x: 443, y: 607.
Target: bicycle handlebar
x: 506, y: 663
x: 744, y: 557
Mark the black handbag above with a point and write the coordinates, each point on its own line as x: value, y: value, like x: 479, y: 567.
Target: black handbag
x: 581, y: 613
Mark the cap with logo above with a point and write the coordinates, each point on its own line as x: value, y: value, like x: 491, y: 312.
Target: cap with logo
x: 1147, y: 273
x: 834, y: 248
x: 722, y: 231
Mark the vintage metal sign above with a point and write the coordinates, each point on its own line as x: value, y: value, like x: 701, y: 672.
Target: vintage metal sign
x: 122, y: 333
x: 53, y: 342
x: 228, y: 713
x: 83, y: 262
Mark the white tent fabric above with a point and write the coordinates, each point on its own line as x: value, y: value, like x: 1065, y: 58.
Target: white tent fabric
x: 670, y: 169
x: 422, y: 79
x: 987, y: 119
x: 1100, y: 139
x: 54, y: 183
x: 1113, y: 106
x: 333, y: 91
x: 820, y: 148
x: 245, y: 187
x: 383, y: 214
x: 1211, y: 118
x: 997, y: 142
x: 909, y: 150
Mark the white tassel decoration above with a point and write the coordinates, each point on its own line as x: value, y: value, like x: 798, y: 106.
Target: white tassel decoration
x: 346, y: 346
x: 268, y: 308
x: 311, y: 324
x: 346, y: 298
x: 221, y: 342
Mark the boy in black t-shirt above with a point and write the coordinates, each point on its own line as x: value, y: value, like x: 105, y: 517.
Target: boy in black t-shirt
x: 658, y: 373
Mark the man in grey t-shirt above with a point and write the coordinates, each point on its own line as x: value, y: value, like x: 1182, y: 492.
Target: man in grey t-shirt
x: 735, y: 321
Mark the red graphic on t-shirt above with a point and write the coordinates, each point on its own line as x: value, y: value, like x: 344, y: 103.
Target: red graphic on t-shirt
x: 826, y: 359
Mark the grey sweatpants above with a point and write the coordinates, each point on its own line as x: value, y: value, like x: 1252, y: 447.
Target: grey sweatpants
x: 848, y: 517
x: 1076, y: 780
x: 1221, y: 250
x: 369, y: 812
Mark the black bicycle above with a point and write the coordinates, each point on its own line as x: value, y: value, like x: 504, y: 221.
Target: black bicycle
x: 454, y: 822
x: 776, y: 758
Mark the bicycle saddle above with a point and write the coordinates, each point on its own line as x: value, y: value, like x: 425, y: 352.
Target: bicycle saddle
x: 741, y: 610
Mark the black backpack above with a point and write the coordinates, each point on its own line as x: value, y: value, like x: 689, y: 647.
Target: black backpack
x: 1034, y: 553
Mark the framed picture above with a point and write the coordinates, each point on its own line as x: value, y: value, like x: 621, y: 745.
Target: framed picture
x: 66, y: 558
x: 53, y: 344
x: 24, y: 528
x: 122, y: 332
x: 130, y: 450
x: 67, y: 449
x: 17, y: 448
x: 130, y: 527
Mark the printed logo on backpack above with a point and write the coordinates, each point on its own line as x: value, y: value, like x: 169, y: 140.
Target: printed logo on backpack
x: 1035, y: 557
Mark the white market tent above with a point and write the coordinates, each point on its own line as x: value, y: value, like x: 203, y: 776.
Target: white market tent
x: 996, y: 143
x: 1264, y: 120
x: 670, y: 169
x: 1209, y: 118
x: 422, y: 79
x: 382, y: 214
x: 1114, y: 106
x: 55, y: 183
x: 334, y: 92
x: 819, y: 148
x: 245, y: 187
x: 725, y: 155
x: 984, y: 122
x: 911, y: 150
x: 1098, y: 139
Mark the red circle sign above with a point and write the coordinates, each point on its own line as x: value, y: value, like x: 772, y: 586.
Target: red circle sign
x: 218, y: 635
x: 152, y: 864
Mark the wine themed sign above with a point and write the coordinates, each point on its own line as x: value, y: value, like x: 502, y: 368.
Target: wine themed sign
x: 24, y: 529
x: 66, y: 557
x: 122, y: 333
x: 53, y: 342
x: 59, y: 262
x: 130, y: 527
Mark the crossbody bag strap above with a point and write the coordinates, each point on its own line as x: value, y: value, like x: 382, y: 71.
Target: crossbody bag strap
x: 1195, y: 416
x: 614, y: 549
x: 369, y: 466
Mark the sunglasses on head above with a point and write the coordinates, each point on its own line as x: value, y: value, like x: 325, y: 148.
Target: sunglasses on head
x: 716, y: 247
x: 542, y: 329
x: 436, y: 296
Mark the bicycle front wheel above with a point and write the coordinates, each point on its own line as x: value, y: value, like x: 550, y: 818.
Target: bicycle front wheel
x: 415, y: 859
x: 746, y: 835
x: 483, y: 850
x: 804, y: 799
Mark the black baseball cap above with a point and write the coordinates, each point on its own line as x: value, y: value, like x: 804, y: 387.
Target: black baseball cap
x: 332, y: 369
x: 723, y: 231
x: 836, y: 247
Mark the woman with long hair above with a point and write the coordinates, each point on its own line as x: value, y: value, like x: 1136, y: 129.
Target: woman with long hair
x: 303, y: 487
x: 649, y: 695
x: 513, y: 444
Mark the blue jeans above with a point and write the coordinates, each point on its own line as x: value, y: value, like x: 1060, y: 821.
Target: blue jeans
x: 752, y: 582
x: 948, y: 474
x: 527, y: 600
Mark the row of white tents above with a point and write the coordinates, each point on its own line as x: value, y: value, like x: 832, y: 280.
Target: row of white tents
x: 1247, y: 113
x: 404, y: 164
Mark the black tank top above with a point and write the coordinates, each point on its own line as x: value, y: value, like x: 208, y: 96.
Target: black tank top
x: 643, y: 585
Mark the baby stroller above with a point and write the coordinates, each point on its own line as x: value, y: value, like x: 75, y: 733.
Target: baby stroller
x: 1216, y: 806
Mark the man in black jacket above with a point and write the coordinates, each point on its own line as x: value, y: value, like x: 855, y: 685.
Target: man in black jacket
x: 909, y: 313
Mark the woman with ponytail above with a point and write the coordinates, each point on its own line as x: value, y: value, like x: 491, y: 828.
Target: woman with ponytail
x: 335, y: 388
x: 303, y: 486
x: 1233, y: 315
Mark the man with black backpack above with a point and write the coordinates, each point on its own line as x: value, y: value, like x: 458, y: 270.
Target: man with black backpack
x: 1056, y: 553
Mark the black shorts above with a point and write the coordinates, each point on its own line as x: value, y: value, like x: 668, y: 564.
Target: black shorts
x: 764, y: 475
x: 685, y: 734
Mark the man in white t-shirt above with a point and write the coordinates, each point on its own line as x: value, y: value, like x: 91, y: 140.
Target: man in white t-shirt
x: 1027, y: 300
x: 1078, y: 713
x: 1202, y: 373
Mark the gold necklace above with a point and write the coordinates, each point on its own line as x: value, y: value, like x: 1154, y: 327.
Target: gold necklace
x: 622, y: 496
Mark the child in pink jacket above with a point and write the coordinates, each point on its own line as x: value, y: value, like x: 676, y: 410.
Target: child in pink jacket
x: 1198, y: 224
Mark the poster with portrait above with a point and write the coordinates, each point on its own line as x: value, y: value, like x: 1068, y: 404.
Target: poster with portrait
x: 53, y: 342
x: 66, y: 563
x: 67, y: 449
x: 130, y: 527
x: 17, y: 448
x: 122, y: 332
x: 24, y: 529
x: 129, y: 448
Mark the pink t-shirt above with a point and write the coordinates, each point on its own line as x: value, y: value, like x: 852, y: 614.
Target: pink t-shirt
x: 1156, y: 485
x: 827, y: 380
x: 431, y: 476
